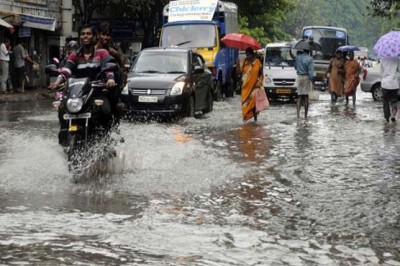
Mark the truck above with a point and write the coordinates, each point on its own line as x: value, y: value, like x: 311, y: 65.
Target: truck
x: 329, y: 38
x: 279, y: 72
x: 200, y: 25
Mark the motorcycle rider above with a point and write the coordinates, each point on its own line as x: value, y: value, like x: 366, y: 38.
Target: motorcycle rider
x: 72, y: 46
x: 92, y: 58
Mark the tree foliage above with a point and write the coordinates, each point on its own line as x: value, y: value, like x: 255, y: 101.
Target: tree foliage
x: 352, y: 15
x: 261, y: 19
x: 267, y: 21
x: 384, y: 8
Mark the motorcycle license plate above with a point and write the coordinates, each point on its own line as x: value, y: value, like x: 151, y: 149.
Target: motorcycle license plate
x: 78, y: 116
x: 148, y: 99
x: 73, y: 128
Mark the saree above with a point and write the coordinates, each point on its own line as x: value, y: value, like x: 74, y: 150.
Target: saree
x: 352, y: 78
x: 250, y: 78
x: 336, y: 78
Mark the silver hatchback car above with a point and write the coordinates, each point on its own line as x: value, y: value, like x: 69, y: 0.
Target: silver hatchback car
x: 372, y: 82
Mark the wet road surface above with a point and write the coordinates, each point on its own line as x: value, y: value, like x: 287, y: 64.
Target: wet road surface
x: 208, y: 191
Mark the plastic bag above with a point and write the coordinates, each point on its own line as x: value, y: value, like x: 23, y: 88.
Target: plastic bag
x: 262, y: 102
x: 313, y: 95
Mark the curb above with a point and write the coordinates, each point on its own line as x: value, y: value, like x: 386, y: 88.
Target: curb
x: 29, y: 95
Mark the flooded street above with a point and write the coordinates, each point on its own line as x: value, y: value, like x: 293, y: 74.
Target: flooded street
x: 207, y: 191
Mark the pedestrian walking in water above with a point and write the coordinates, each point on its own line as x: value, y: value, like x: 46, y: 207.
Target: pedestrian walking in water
x: 252, y: 80
x: 352, y: 78
x: 304, y: 65
x: 5, y: 50
x: 335, y: 74
x: 390, y: 70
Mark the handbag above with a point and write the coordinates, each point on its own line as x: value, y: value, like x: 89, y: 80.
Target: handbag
x: 262, y: 102
x: 313, y: 95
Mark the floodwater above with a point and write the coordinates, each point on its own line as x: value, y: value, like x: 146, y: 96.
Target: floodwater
x: 207, y: 191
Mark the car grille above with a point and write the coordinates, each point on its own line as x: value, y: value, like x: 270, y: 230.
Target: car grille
x: 284, y: 82
x: 148, y: 91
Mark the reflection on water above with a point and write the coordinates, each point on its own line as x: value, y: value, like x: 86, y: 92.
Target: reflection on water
x: 254, y: 142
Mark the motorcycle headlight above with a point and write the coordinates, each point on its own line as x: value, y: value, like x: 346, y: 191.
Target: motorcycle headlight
x: 125, y: 90
x: 177, y: 89
x: 74, y: 105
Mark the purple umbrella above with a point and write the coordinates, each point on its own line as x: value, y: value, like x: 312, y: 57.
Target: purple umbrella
x: 388, y: 45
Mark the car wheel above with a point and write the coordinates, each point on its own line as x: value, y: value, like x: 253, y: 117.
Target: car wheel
x: 377, y: 92
x: 190, y: 107
x: 210, y: 102
x: 217, y: 90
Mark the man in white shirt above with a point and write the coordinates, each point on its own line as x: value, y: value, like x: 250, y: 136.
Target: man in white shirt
x: 390, y: 86
x: 5, y: 48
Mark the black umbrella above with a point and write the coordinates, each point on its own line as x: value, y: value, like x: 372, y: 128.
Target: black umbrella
x: 307, y: 45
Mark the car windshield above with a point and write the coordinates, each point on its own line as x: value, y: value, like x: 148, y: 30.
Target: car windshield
x: 165, y: 62
x: 190, y: 36
x: 278, y: 56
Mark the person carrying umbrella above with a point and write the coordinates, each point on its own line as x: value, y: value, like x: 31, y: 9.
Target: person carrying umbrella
x: 390, y: 85
x: 352, y: 77
x: 388, y: 49
x: 335, y: 74
x: 252, y: 79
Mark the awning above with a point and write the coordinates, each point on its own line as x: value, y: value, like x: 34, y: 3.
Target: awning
x: 5, y: 23
x: 44, y: 23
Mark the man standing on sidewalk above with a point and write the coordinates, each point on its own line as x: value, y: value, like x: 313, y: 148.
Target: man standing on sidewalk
x: 20, y: 55
x: 5, y: 49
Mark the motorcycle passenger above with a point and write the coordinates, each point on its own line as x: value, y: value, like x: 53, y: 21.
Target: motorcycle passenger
x: 104, y: 42
x: 91, y: 59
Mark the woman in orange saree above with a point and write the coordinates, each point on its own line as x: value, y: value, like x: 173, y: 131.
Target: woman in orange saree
x: 336, y: 70
x: 251, y: 79
x: 352, y: 78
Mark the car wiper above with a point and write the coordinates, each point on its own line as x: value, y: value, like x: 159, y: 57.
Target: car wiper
x: 175, y: 72
x: 182, y: 43
x: 149, y: 71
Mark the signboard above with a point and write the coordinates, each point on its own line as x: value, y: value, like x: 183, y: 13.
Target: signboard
x: 181, y: 10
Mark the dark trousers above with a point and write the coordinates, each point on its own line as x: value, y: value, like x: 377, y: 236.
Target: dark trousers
x: 19, y: 76
x: 389, y: 98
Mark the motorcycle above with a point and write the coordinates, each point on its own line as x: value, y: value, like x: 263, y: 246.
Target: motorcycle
x: 80, y: 102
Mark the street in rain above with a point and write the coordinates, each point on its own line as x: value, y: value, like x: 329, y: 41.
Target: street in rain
x: 208, y: 191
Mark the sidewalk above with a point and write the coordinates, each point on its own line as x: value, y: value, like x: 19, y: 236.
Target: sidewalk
x: 28, y: 95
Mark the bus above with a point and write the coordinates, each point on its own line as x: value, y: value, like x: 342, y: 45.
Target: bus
x: 329, y: 38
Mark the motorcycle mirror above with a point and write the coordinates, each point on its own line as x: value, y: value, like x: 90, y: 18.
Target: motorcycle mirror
x: 49, y: 69
x: 110, y: 67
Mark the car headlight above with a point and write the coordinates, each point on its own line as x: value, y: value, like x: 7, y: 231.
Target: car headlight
x: 74, y: 105
x: 177, y: 89
x: 268, y: 81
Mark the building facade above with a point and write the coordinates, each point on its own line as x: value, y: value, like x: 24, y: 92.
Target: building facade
x: 40, y: 24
